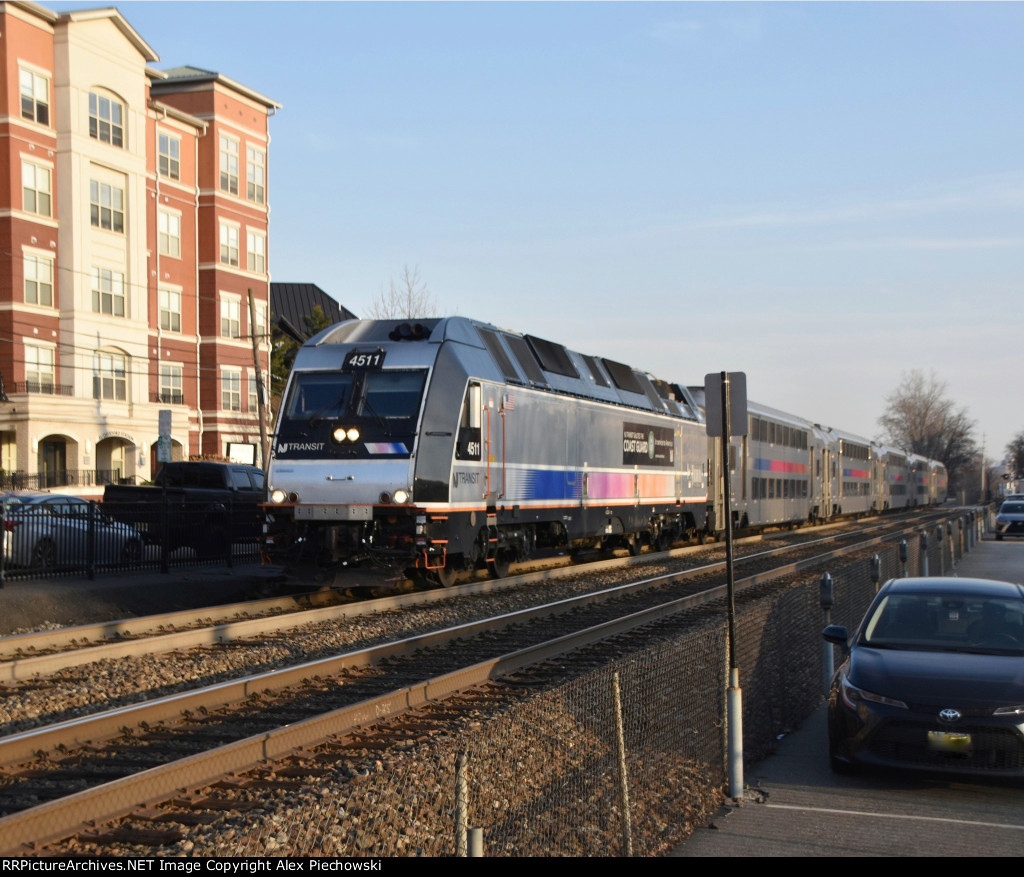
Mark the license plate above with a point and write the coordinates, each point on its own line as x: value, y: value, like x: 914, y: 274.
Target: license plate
x: 949, y: 741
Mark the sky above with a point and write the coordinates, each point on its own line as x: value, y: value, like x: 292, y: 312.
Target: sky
x: 822, y: 195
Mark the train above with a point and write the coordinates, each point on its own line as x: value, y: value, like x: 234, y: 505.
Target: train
x: 442, y: 445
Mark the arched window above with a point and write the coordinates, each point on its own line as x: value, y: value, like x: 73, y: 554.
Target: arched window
x: 110, y: 375
x: 106, y: 119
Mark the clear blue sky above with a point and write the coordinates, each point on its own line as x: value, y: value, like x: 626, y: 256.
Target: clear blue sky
x: 823, y: 195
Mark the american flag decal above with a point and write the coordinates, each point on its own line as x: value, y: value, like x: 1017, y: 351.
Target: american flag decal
x: 510, y: 402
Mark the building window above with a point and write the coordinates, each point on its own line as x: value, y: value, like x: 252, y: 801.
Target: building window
x: 39, y: 369
x: 106, y: 119
x: 253, y: 400
x: 256, y: 245
x: 255, y: 175
x: 231, y: 389
x: 35, y: 97
x: 106, y: 206
x: 230, y: 318
x: 35, y: 189
x: 109, y: 380
x: 261, y: 322
x: 171, y: 384
x: 169, y: 157
x: 169, y: 234
x: 107, y: 292
x: 229, y: 244
x: 170, y: 310
x: 228, y: 165
x: 39, y: 280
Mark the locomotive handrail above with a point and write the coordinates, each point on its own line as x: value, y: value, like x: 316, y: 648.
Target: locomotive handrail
x: 487, y: 471
x: 502, y: 494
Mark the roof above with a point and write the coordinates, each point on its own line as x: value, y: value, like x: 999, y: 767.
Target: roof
x: 188, y: 75
x: 291, y: 302
x: 119, y: 21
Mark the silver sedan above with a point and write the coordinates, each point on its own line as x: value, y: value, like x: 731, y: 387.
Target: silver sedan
x: 52, y: 531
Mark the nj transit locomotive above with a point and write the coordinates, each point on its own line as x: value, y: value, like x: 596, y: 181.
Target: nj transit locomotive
x: 449, y: 444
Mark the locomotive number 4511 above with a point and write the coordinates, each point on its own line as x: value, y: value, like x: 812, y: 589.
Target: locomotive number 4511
x: 364, y: 360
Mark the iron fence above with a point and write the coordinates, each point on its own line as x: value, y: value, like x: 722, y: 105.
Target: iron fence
x: 50, y: 535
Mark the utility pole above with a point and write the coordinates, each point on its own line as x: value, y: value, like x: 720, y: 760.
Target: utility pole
x: 261, y: 401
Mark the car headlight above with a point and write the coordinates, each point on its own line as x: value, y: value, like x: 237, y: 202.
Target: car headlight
x: 1009, y: 711
x: 852, y: 696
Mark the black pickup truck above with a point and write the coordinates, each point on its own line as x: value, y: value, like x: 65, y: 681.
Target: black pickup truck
x: 204, y: 505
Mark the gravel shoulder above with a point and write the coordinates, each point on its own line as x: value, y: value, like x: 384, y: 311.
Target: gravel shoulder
x: 34, y: 605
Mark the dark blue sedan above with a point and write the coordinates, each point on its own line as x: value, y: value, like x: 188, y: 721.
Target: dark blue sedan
x: 933, y: 679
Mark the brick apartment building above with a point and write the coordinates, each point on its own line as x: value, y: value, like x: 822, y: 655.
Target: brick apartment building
x: 133, y: 223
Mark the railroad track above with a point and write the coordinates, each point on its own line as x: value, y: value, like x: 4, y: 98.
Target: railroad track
x: 275, y: 712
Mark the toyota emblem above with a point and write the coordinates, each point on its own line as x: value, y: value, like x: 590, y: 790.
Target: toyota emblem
x: 949, y: 715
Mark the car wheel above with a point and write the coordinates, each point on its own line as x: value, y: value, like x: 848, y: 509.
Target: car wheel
x: 44, y: 554
x: 132, y: 552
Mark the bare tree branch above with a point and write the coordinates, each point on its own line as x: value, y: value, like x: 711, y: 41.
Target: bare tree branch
x: 409, y: 298
x: 920, y: 419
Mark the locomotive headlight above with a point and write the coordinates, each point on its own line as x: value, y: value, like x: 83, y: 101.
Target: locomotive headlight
x: 341, y: 434
x: 278, y: 495
x: 401, y: 496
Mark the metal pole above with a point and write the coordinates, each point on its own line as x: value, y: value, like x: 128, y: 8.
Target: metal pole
x: 735, y: 693
x: 476, y: 843
x: 461, y: 806
x: 828, y: 660
x: 620, y: 742
x: 924, y: 554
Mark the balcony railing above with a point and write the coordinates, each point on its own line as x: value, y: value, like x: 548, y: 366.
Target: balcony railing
x: 44, y: 388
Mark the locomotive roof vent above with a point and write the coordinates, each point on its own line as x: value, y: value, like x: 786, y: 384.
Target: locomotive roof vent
x: 409, y: 332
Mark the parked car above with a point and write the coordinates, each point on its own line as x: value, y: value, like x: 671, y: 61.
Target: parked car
x: 932, y: 679
x: 51, y: 531
x: 1010, y: 519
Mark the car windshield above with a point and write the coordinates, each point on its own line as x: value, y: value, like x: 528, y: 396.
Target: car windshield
x: 1012, y: 508
x: 947, y: 622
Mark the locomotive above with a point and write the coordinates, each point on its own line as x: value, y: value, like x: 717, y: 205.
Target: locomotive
x: 449, y: 444
x: 443, y: 445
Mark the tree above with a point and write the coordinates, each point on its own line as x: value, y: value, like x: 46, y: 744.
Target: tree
x: 920, y: 419
x: 1015, y: 450
x: 409, y: 298
x: 283, y: 347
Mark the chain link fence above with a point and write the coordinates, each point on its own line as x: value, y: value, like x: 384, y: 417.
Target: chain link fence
x: 623, y: 761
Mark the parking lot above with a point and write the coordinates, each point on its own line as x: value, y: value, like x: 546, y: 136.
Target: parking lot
x: 795, y: 806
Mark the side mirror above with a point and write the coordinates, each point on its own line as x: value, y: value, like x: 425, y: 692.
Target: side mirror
x: 837, y: 635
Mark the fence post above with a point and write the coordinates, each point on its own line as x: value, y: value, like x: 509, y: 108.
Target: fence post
x: 876, y: 570
x: 924, y: 554
x: 3, y: 543
x: 165, y: 533
x: 90, y: 546
x: 461, y: 806
x: 620, y: 741
x: 827, y: 660
x: 904, y: 554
